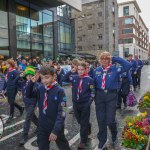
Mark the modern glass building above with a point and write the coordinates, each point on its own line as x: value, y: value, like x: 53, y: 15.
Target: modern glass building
x: 35, y: 28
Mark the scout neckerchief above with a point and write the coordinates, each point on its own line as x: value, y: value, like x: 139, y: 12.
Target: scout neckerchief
x: 9, y: 70
x: 45, y: 103
x: 80, y: 85
x: 104, y: 76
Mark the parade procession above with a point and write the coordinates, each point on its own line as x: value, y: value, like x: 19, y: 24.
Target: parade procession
x: 74, y: 75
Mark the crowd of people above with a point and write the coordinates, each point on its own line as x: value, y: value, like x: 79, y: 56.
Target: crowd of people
x: 107, y: 82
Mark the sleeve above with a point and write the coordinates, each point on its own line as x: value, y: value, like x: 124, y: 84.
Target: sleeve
x: 61, y: 115
x: 32, y: 92
x: 130, y: 78
x: 125, y: 64
x: 67, y: 77
x: 4, y: 85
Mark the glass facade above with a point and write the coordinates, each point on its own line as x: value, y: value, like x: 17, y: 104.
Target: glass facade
x: 34, y: 29
x: 64, y: 37
x: 4, y: 39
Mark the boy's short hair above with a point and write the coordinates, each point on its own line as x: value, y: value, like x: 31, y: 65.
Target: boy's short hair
x: 75, y: 62
x: 83, y: 65
x: 47, y: 70
x: 11, y: 62
x: 130, y: 55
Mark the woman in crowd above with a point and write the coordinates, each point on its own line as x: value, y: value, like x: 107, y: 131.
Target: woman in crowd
x: 107, y: 78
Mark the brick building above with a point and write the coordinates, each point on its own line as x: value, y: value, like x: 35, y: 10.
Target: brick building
x: 133, y: 33
x: 96, y: 27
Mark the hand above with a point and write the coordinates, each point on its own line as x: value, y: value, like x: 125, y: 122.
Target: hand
x: 35, y: 78
x: 131, y: 87
x: 135, y: 72
x: 52, y: 137
x: 3, y: 92
x: 22, y: 74
x: 37, y: 109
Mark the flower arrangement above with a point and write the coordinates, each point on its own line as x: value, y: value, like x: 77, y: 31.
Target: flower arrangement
x: 136, y: 132
x: 144, y: 104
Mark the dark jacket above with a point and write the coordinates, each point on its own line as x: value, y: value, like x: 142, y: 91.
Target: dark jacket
x: 12, y: 80
x: 55, y: 114
x: 88, y: 92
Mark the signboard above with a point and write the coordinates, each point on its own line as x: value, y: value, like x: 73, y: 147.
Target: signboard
x: 76, y: 4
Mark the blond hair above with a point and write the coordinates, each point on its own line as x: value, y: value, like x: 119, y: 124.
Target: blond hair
x: 105, y: 55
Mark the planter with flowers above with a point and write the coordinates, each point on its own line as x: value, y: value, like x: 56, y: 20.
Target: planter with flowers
x: 136, y: 133
x: 144, y: 104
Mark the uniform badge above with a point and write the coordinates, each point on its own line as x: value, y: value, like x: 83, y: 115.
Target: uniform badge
x: 55, y: 98
x: 98, y: 73
x: 65, y: 99
x: 91, y: 86
x: 63, y: 104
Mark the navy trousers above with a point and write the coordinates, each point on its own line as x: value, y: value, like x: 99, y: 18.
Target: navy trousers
x: 106, y: 115
x: 29, y: 116
x: 82, y: 114
x: 44, y: 143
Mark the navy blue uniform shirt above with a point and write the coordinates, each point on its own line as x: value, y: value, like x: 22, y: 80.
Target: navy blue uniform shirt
x: 88, y: 91
x: 55, y: 115
x: 113, y: 74
x: 12, y: 80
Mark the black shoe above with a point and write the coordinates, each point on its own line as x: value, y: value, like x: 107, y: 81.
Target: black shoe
x: 23, y: 141
x: 36, y: 131
x: 21, y: 111
x: 103, y: 146
x: 10, y: 119
x: 71, y: 112
x: 118, y: 107
x: 81, y: 146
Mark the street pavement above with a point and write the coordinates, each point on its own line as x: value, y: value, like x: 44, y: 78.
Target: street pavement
x: 13, y: 130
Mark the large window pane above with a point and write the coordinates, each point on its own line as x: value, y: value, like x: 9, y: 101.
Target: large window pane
x: 3, y: 18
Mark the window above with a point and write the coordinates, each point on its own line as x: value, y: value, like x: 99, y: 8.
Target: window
x: 80, y: 28
x: 64, y: 36
x: 64, y: 11
x: 80, y: 48
x: 79, y: 38
x: 126, y: 52
x: 126, y: 41
x: 100, y: 36
x: 90, y: 27
x: 100, y: 25
x: 4, y: 42
x: 99, y: 14
x: 89, y: 16
x: 127, y: 31
x: 126, y: 10
x: 100, y: 47
x: 128, y: 21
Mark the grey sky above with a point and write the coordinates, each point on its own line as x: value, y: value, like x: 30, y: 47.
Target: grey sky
x: 145, y: 8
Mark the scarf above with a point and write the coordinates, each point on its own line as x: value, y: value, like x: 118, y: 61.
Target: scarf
x: 80, y: 85
x: 104, y: 76
x: 45, y: 103
x: 9, y: 70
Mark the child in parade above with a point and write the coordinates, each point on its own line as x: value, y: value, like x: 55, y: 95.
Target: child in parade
x: 52, y: 109
x: 126, y: 84
x: 83, y: 95
x: 73, y: 72
x: 30, y: 103
x: 12, y: 78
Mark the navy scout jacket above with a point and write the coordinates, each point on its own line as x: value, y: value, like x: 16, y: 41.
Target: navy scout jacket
x: 55, y: 115
x: 88, y: 92
x: 113, y: 74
